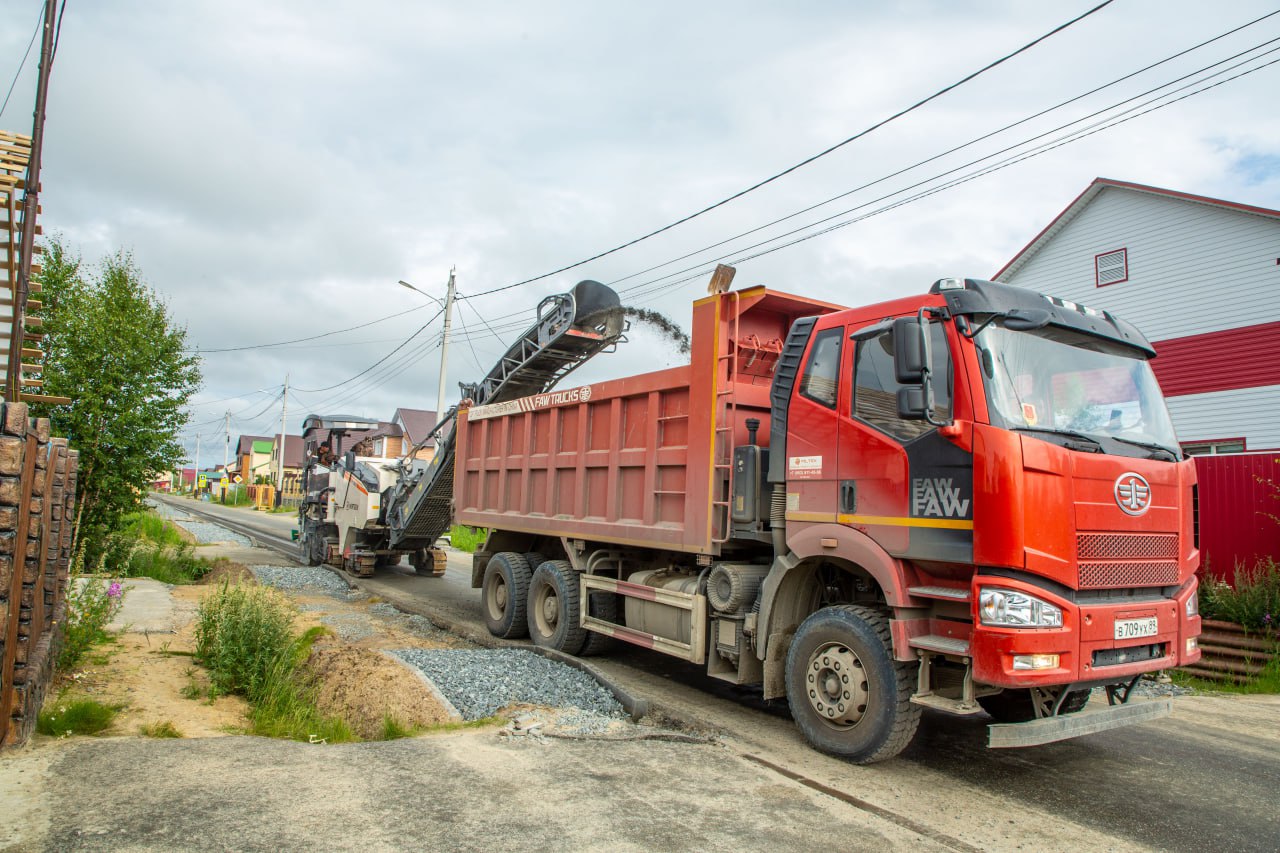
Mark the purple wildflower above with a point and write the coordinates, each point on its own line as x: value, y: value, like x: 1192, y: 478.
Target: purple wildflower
x: 115, y: 590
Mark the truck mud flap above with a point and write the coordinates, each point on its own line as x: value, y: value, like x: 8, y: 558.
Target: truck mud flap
x: 1050, y: 729
x: 694, y: 651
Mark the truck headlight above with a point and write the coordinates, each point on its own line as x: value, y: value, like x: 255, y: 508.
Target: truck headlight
x: 1016, y: 609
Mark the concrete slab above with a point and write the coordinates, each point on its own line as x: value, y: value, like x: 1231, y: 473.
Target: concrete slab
x: 150, y: 608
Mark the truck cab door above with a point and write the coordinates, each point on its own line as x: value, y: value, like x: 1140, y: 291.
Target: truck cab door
x: 911, y: 488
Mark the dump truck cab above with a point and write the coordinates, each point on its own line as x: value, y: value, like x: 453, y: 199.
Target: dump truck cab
x: 996, y: 472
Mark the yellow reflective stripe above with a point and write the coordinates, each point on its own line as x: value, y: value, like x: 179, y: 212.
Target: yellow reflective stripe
x: 883, y: 520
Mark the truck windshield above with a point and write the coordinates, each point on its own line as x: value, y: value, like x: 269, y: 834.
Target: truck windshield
x: 1058, y: 380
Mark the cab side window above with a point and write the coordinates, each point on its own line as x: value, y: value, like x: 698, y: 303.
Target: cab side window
x: 822, y: 372
x: 875, y: 393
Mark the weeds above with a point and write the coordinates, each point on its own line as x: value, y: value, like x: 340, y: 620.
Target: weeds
x: 241, y: 633
x: 82, y: 717
x: 91, y: 603
x: 148, y: 546
x: 1254, y: 602
x: 1266, y: 681
x: 160, y: 729
x: 244, y: 637
x: 467, y: 538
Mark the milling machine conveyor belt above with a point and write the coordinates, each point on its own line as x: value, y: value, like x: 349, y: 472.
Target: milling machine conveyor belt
x: 571, y: 329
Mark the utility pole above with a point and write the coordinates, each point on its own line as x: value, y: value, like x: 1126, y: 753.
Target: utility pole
x: 226, y: 452
x: 30, y: 207
x: 195, y: 479
x: 284, y: 438
x: 444, y: 345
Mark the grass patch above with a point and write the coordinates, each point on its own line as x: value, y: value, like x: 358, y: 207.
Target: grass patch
x: 393, y: 729
x: 467, y: 538
x: 81, y: 717
x: 1265, y: 682
x: 160, y: 729
x: 148, y: 546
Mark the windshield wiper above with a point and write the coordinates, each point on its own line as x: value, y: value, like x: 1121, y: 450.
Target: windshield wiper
x: 1075, y: 440
x: 1160, y: 450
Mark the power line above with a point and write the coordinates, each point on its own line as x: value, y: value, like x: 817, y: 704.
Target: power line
x: 405, y: 342
x: 812, y: 158
x: 971, y: 142
x: 23, y: 63
x: 314, y: 337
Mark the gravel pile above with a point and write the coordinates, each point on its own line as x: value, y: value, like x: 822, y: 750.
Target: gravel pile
x: 165, y: 511
x: 206, y: 532
x: 351, y: 627
x: 480, y: 682
x: 301, y: 579
x: 1148, y: 687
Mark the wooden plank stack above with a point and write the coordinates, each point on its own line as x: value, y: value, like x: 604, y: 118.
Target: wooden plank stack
x: 15, y: 158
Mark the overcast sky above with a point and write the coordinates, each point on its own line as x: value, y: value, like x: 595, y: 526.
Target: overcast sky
x: 275, y: 168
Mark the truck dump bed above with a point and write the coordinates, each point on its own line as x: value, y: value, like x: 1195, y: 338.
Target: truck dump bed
x: 644, y: 460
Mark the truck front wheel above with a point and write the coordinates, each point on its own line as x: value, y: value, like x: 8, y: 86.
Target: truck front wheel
x: 554, y: 614
x: 848, y: 695
x: 504, y: 591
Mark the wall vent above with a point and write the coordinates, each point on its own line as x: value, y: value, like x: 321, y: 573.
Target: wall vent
x: 1111, y: 267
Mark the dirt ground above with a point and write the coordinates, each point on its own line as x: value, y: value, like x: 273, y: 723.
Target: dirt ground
x: 154, y: 678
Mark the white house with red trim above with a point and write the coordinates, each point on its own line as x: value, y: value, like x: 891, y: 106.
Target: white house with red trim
x: 1200, y: 277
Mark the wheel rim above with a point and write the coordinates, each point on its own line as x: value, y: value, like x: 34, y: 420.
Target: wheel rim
x: 546, y: 611
x: 497, y: 598
x: 836, y: 685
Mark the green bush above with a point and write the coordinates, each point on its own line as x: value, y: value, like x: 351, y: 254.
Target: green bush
x: 241, y: 634
x: 147, y: 546
x: 286, y: 704
x: 467, y: 538
x: 91, y: 603
x: 1253, y: 602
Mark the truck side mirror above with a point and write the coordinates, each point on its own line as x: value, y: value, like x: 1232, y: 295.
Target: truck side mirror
x: 911, y: 403
x: 908, y: 351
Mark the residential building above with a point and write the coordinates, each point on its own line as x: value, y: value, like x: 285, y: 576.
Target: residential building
x: 1200, y: 277
x: 415, y: 425
x: 293, y: 460
x: 253, y: 457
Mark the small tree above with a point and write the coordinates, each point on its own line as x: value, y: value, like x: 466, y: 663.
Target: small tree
x: 112, y: 348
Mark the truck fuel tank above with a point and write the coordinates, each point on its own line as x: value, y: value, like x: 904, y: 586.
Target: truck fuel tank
x: 656, y: 618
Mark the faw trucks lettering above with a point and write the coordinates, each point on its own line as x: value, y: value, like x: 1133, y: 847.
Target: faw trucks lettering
x: 528, y: 404
x: 936, y: 497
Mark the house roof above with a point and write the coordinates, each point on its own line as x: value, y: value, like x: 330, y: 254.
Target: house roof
x: 1091, y: 192
x: 293, y: 450
x: 264, y: 446
x: 247, y: 441
x: 416, y: 423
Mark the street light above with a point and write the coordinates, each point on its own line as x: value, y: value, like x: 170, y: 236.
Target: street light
x: 447, y: 306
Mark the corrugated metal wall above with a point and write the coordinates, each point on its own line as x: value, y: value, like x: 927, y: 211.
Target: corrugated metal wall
x: 1237, y: 492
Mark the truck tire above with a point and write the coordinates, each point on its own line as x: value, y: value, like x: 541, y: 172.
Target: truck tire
x: 601, y: 605
x: 1014, y: 706
x: 504, y: 593
x: 848, y: 695
x: 534, y: 559
x: 554, y: 616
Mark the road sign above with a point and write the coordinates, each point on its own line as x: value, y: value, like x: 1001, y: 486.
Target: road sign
x: 202, y: 482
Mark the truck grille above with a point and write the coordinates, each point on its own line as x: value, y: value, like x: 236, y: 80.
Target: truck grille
x: 1109, y: 560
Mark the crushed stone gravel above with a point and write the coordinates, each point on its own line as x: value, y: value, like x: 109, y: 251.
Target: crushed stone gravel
x: 301, y: 579
x: 417, y: 625
x: 482, y: 681
x: 206, y: 532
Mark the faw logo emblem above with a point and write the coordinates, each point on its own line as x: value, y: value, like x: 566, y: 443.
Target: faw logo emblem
x: 937, y: 497
x: 1133, y: 493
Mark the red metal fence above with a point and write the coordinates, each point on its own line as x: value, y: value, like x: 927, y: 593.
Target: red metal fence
x: 1239, y: 495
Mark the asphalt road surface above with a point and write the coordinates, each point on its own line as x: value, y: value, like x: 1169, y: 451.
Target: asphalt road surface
x: 1206, y: 778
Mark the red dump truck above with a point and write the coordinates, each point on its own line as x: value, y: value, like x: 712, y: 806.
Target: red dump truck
x: 970, y: 500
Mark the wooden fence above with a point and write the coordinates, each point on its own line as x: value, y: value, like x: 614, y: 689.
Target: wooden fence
x: 37, y: 502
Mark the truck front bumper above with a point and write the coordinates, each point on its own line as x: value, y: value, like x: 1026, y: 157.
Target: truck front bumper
x: 1085, y: 646
x: 1050, y: 729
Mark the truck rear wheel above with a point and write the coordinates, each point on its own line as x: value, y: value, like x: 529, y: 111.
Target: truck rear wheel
x: 554, y: 615
x: 505, y: 590
x: 848, y: 695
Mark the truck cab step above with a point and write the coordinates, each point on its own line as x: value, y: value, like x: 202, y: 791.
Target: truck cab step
x: 941, y: 645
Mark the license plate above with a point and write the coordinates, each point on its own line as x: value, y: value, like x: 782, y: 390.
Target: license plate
x: 1128, y: 629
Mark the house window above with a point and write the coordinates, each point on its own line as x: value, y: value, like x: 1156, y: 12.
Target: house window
x: 1213, y: 448
x: 1111, y: 267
